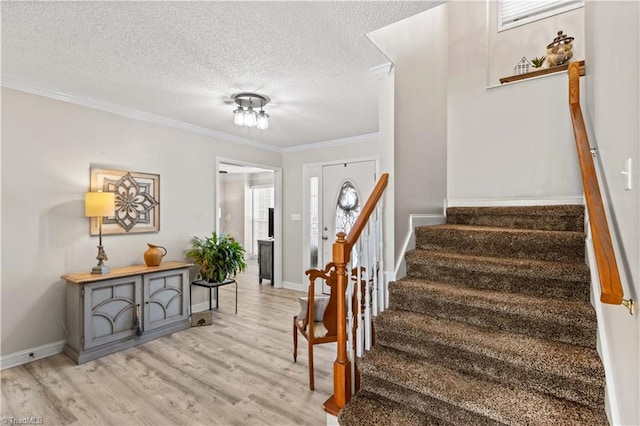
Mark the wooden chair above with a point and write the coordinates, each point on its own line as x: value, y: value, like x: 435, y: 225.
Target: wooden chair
x: 317, y: 330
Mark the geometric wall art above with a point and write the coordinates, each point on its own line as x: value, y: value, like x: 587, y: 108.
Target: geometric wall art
x: 137, y: 201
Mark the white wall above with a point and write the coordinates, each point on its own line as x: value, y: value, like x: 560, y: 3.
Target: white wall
x: 47, y: 149
x: 509, y: 142
x: 232, y: 205
x: 292, y: 179
x: 386, y: 131
x: 505, y: 48
x: 417, y: 46
x: 613, y: 113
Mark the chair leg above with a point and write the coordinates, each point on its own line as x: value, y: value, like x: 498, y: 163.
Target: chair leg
x: 311, y: 384
x: 295, y: 341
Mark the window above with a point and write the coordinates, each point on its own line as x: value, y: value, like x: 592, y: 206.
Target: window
x: 512, y: 13
x: 313, y: 222
x: 347, y: 208
x: 262, y: 199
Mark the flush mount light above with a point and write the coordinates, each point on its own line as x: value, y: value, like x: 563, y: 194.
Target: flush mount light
x: 245, y: 114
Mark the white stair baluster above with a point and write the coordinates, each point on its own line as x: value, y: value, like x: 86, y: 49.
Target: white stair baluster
x: 367, y: 295
x: 383, y: 290
x: 349, y: 331
x: 357, y: 308
x: 374, y: 264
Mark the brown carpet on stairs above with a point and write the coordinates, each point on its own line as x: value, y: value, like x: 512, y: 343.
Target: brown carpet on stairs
x: 492, y: 325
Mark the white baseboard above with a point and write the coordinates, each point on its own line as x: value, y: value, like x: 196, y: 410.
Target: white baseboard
x: 294, y: 286
x: 509, y: 202
x: 28, y: 355
x: 332, y: 420
x: 390, y: 276
x: 611, y: 399
x: 410, y: 240
x: 203, y: 306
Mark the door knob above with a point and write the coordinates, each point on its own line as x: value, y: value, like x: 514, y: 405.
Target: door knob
x: 324, y: 237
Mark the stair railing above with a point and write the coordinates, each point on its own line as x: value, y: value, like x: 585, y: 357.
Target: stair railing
x: 610, y: 284
x: 360, y: 253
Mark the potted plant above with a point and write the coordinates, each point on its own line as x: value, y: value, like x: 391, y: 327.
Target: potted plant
x: 218, y: 256
x: 538, y: 62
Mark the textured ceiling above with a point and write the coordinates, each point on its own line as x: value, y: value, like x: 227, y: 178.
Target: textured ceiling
x: 182, y: 60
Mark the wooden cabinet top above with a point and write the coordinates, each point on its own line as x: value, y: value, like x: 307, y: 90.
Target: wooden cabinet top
x: 88, y: 277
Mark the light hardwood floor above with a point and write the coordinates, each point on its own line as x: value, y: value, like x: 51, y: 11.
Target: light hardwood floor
x: 238, y: 371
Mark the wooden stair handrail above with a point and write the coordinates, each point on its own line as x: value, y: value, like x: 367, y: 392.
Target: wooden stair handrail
x: 366, y: 212
x: 610, y: 284
x: 341, y: 256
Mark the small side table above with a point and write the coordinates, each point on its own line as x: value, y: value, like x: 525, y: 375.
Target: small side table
x: 211, y: 286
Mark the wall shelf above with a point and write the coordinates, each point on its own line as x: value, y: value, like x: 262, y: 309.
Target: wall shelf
x: 538, y: 73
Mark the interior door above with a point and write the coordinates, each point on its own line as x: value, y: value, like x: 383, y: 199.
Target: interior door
x: 345, y: 189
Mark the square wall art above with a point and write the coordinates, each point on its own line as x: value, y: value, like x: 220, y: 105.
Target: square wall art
x: 137, y: 198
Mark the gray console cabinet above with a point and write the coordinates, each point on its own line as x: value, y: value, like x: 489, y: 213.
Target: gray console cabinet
x: 101, y: 309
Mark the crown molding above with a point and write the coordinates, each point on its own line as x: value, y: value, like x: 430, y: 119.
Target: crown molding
x: 382, y: 71
x: 132, y: 113
x: 163, y: 121
x: 330, y: 143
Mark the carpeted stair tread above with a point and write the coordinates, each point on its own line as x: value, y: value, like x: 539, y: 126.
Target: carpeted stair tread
x: 564, y: 246
x: 552, y: 218
x: 535, y: 277
x: 492, y: 325
x: 494, y: 400
x: 566, y: 321
x: 434, y: 407
x: 370, y: 409
x: 566, y: 371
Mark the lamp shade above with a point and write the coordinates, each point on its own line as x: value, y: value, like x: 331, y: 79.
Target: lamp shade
x: 99, y: 204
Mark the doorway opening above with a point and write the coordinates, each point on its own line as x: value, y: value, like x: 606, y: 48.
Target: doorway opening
x: 249, y: 204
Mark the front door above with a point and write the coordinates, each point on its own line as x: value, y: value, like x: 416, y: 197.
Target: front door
x: 345, y: 189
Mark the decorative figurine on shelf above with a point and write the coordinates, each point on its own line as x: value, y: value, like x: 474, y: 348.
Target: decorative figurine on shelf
x: 523, y: 67
x: 559, y: 51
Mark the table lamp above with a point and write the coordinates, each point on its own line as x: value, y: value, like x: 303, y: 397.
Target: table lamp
x: 99, y: 205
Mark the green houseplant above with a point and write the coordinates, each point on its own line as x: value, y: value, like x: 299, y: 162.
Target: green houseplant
x: 218, y: 256
x: 538, y: 62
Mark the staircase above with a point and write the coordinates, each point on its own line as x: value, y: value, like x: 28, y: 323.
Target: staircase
x: 492, y: 325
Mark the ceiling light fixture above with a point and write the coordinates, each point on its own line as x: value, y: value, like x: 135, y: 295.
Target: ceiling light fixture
x: 245, y: 114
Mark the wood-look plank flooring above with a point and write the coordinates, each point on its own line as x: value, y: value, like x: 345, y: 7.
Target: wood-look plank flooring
x: 238, y: 371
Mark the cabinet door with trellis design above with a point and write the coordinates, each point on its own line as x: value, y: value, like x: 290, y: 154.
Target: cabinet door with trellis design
x: 109, y: 310
x: 165, y: 298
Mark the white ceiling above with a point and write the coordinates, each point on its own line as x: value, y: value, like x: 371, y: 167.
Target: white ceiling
x: 182, y: 60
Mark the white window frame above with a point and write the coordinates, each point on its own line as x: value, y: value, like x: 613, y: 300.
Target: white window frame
x: 254, y: 231
x: 531, y: 15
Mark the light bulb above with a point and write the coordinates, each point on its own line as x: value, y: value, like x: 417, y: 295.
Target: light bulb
x: 263, y: 120
x: 250, y: 117
x: 238, y: 120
